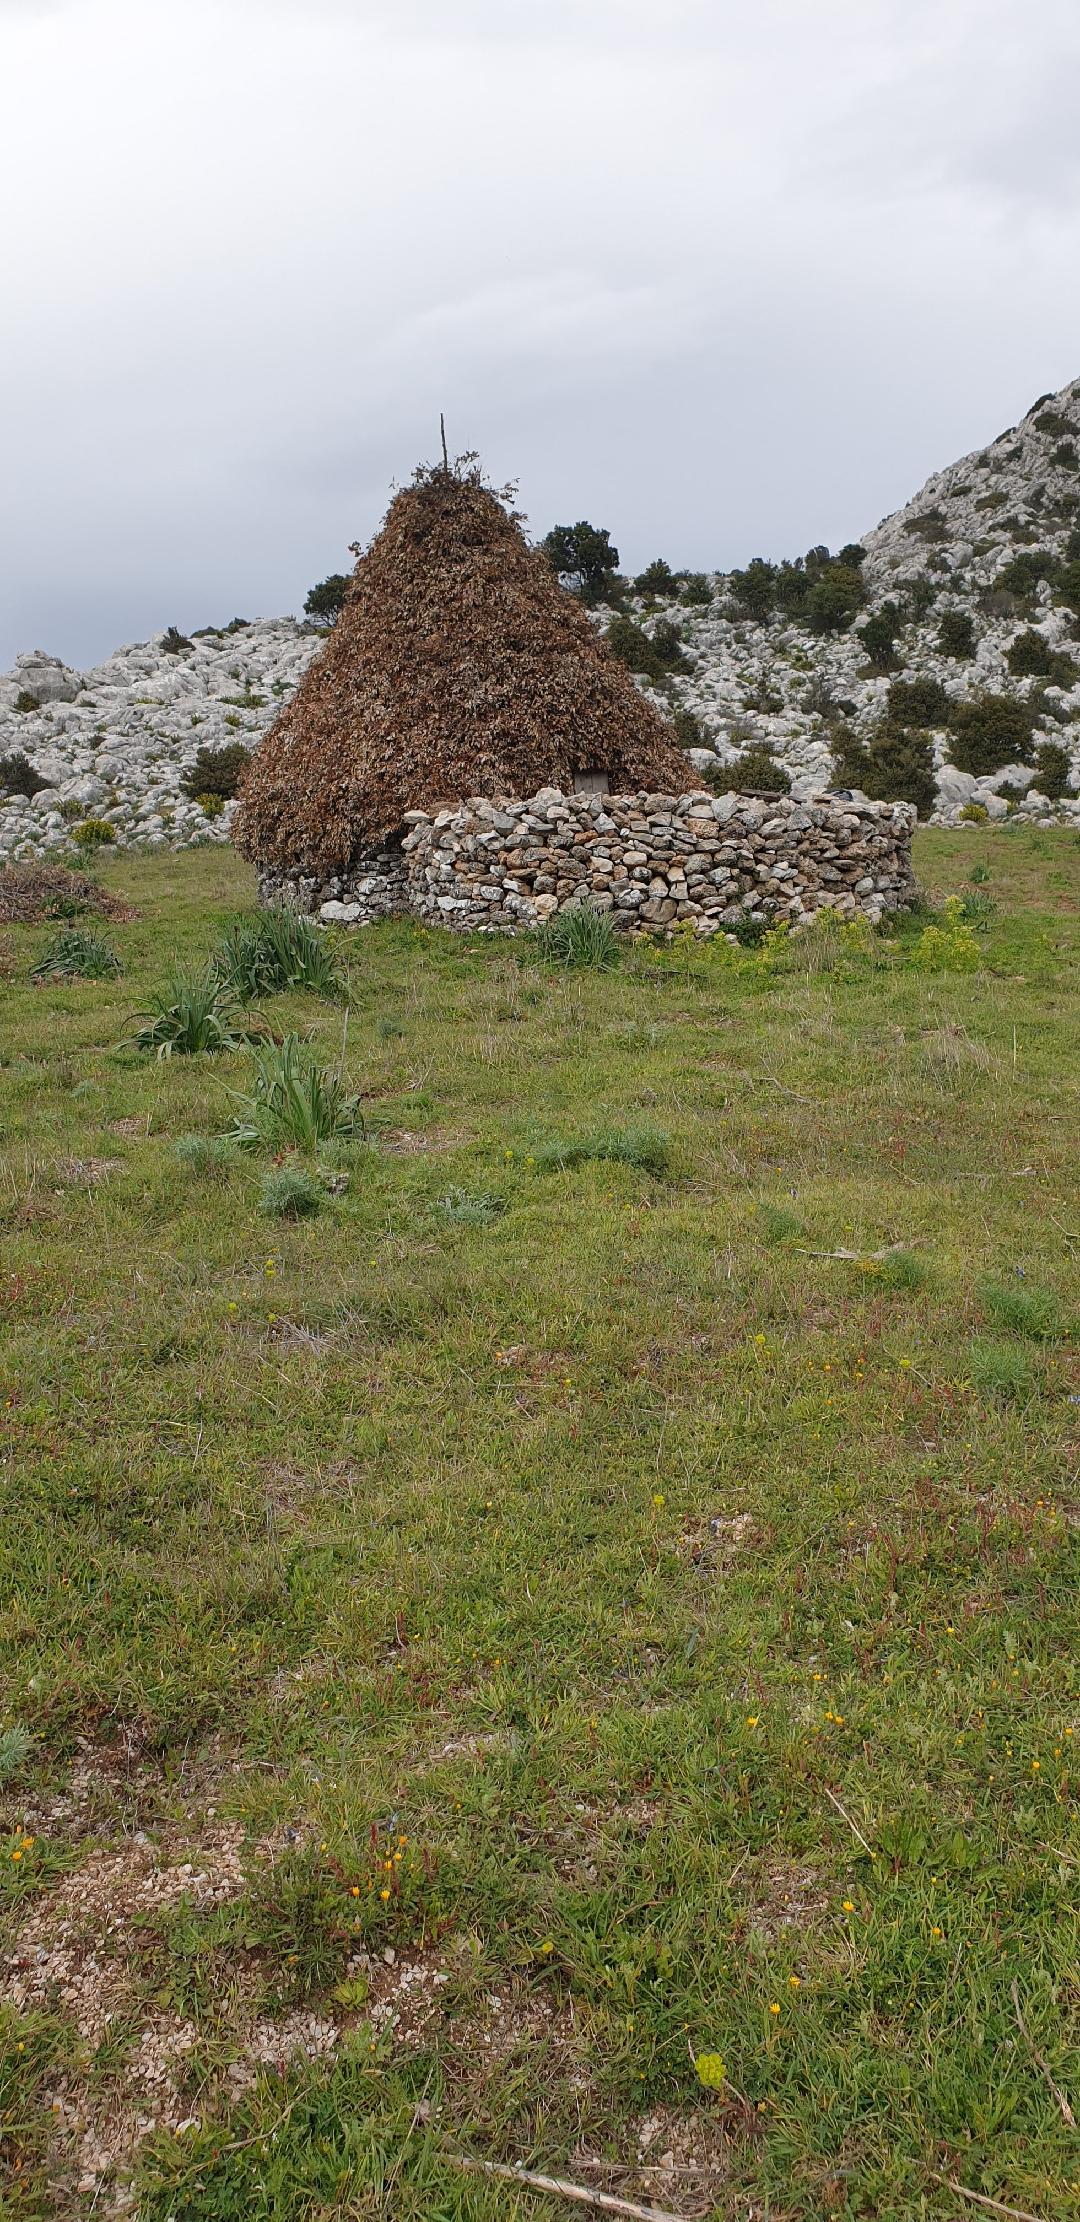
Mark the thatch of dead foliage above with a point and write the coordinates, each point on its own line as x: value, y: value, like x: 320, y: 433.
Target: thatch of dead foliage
x: 31, y: 893
x: 459, y: 666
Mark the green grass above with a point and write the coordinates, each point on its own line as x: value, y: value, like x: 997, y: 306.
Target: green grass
x: 655, y: 1630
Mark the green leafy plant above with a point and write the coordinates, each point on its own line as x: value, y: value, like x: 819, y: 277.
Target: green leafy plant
x: 174, y: 642
x: 94, y: 833
x: 213, y: 806
x: 216, y: 771
x: 697, y: 590
x: 657, y: 578
x: 277, y: 949
x: 877, y: 636
x: 949, y: 947
x: 290, y: 1192
x: 18, y: 776
x: 653, y: 654
x: 834, y: 598
x: 193, y: 1015
x: 1030, y: 656
x: 580, y: 938
x: 77, y: 953
x: 25, y: 702
x: 293, y: 1103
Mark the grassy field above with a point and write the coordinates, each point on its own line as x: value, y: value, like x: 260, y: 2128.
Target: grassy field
x: 563, y: 1657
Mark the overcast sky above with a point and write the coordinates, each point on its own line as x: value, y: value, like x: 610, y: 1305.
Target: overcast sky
x: 727, y: 276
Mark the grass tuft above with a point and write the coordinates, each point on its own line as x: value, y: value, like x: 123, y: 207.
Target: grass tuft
x: 16, y: 1744
x: 465, y: 1210
x: 290, y: 1192
x: 1019, y: 1310
x: 644, y: 1147
x: 1001, y: 1373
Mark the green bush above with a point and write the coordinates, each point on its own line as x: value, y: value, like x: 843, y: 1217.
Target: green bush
x: 988, y: 731
x: 94, y: 833
x: 25, y: 702
x: 948, y: 947
x: 657, y: 578
x: 834, y: 598
x: 1067, y: 585
x: 294, y: 1103
x: 174, y: 642
x: 877, y: 637
x: 1030, y: 656
x: 276, y: 949
x: 896, y: 765
x: 956, y: 635
x: 77, y: 953
x: 920, y: 702
x: 754, y: 588
x: 755, y: 771
x: 216, y: 771
x: 584, y: 554
x: 653, y: 655
x: 1027, y: 570
x: 212, y: 806
x: 325, y: 602
x: 697, y: 590
x: 1053, y: 767
x: 689, y: 730
x: 18, y: 776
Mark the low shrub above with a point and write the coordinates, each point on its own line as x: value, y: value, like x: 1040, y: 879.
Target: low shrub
x: 644, y: 1147
x: 902, y: 1274
x: 877, y: 637
x: 581, y: 939
x: 956, y: 635
x: 293, y: 1103
x: 894, y: 766
x: 213, y: 806
x: 755, y: 771
x: 174, y: 642
x: 216, y: 771
x: 689, y: 730
x: 1053, y: 770
x: 652, y: 655
x: 93, y: 833
x: 193, y: 1015
x: 1030, y: 656
x: 25, y: 702
x: 918, y: 702
x: 276, y: 949
x: 18, y: 776
x: 974, y: 814
x: 1016, y: 1309
x: 778, y: 1224
x: 988, y: 731
x: 77, y: 953
x: 657, y: 578
x: 697, y: 590
x: 290, y: 1192
x: 834, y: 598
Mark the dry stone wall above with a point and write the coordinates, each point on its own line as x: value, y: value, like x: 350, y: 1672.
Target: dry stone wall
x: 651, y: 861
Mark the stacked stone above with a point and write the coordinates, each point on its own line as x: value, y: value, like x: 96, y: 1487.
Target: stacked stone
x: 651, y: 861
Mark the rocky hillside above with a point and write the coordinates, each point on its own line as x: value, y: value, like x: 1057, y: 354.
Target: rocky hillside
x: 977, y: 580
x: 957, y: 650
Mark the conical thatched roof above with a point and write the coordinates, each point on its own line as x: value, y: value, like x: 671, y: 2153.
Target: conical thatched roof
x: 458, y: 667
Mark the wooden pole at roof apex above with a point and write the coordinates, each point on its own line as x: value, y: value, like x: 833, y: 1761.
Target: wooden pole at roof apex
x: 442, y: 429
